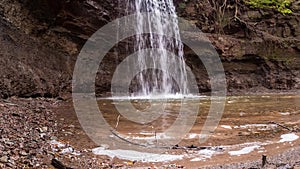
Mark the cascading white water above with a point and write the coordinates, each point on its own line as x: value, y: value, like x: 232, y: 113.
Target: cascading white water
x: 154, y: 81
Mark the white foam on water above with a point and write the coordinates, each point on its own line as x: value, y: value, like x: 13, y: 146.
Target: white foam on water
x: 195, y: 156
x: 288, y: 137
x: 204, y: 154
x: 197, y: 159
x: 136, y: 155
x: 231, y: 101
x: 226, y: 127
x: 245, y: 150
x: 257, y: 125
x: 193, y: 135
x: 285, y: 113
x: 261, y: 127
x: 153, y: 137
x: 155, y: 97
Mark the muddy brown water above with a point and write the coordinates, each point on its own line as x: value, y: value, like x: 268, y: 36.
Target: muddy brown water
x: 249, y: 116
x: 260, y: 119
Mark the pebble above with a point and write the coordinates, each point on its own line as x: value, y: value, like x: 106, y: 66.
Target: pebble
x: 9, y: 143
x: 44, y: 129
x: 23, y: 153
x: 4, y: 159
x: 53, y: 138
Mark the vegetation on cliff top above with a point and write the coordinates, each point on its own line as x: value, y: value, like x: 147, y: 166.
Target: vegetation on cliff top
x: 281, y: 6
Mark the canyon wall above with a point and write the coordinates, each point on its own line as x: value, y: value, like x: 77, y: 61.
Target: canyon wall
x: 40, y: 40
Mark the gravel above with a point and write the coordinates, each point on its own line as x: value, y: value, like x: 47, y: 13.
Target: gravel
x: 29, y: 134
x: 26, y: 126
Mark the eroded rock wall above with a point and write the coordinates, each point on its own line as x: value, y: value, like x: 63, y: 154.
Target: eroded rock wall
x: 40, y: 40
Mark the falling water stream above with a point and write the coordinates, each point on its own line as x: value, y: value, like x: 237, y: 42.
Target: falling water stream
x: 154, y: 81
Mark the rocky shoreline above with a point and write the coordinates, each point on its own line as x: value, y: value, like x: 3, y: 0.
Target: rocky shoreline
x: 29, y: 132
x: 26, y: 127
x: 33, y: 133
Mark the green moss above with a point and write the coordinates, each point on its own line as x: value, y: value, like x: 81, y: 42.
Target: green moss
x: 273, y: 51
x: 281, y: 56
x: 281, y: 6
x: 182, y: 5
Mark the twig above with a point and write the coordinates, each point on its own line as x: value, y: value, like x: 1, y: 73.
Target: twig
x: 118, y: 119
x: 193, y: 147
x: 138, y: 144
x: 281, y: 125
x: 155, y: 137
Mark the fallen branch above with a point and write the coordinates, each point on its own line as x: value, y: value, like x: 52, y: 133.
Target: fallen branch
x: 191, y: 147
x: 283, y: 126
x: 115, y: 133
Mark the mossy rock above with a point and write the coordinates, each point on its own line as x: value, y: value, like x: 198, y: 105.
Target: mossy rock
x: 254, y: 15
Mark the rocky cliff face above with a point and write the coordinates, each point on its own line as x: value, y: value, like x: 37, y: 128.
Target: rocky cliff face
x: 40, y: 40
x: 28, y: 67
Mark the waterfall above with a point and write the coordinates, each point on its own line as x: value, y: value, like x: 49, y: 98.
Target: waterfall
x: 154, y: 81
